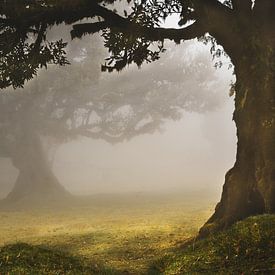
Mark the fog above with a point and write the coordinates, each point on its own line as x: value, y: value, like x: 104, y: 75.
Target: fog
x: 183, y: 139
x: 186, y: 156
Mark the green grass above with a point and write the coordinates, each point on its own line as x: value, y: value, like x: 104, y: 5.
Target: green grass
x: 124, y: 234
x: 248, y: 247
x: 23, y: 258
x: 134, y: 235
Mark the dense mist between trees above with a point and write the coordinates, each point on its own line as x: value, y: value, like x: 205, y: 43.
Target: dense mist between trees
x: 160, y: 128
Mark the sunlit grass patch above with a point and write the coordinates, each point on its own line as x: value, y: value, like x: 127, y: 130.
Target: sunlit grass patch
x: 125, y: 235
x: 245, y: 248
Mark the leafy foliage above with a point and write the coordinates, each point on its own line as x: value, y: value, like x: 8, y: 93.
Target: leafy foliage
x: 125, y: 50
x: 134, y: 37
x: 22, y: 54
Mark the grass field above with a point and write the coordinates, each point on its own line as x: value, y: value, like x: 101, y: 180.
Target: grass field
x: 124, y: 233
x: 132, y: 234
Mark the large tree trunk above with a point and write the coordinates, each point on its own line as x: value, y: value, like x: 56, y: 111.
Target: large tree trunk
x: 36, y: 182
x: 249, y: 187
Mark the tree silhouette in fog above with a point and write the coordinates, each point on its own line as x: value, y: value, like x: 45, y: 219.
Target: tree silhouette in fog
x: 65, y: 103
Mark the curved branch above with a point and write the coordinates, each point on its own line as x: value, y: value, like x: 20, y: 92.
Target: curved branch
x: 152, y: 34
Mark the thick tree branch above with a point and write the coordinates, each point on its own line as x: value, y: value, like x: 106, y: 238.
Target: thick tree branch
x: 115, y: 21
x: 242, y: 5
x: 152, y: 34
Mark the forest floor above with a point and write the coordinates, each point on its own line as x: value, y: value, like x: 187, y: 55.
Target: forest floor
x: 131, y: 234
x: 123, y: 232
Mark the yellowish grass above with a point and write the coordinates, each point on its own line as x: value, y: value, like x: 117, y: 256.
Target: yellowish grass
x: 123, y: 234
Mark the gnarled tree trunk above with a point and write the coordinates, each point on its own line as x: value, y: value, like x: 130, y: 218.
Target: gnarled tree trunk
x: 36, y: 182
x: 249, y: 187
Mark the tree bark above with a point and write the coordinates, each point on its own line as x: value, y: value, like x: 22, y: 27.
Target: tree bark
x: 249, y: 187
x: 36, y: 183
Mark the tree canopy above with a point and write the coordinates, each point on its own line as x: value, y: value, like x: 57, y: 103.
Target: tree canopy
x: 131, y: 29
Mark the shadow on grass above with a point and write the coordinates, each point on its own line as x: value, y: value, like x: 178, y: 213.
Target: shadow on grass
x: 22, y: 258
x: 127, y: 254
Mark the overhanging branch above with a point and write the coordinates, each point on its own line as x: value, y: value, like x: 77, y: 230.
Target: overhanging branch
x: 73, y: 11
x: 115, y: 21
x: 152, y: 34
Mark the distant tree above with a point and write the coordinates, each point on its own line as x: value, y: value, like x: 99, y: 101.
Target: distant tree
x: 40, y: 112
x: 77, y: 100
x: 244, y: 28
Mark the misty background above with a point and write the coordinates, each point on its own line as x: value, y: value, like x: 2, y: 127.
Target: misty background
x: 187, y: 148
